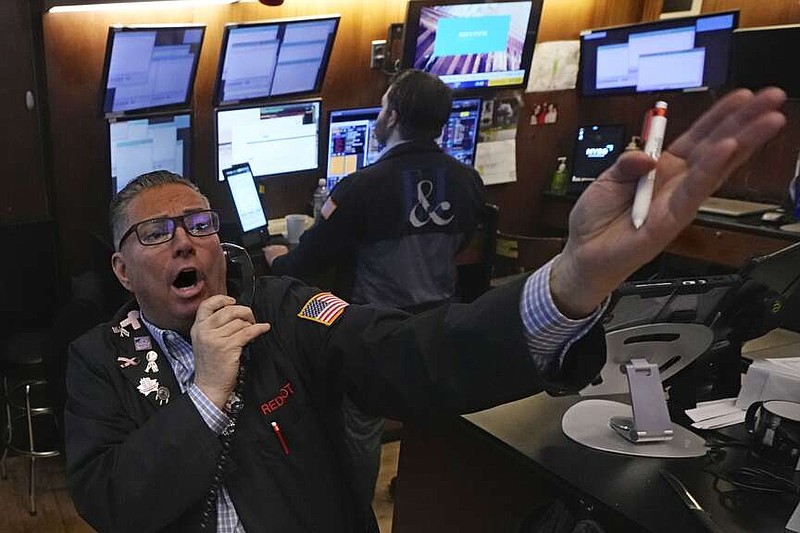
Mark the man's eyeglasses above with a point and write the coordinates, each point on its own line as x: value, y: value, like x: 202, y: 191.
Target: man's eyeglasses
x: 161, y: 230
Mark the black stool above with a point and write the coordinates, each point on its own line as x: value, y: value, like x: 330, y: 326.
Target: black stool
x: 26, y: 400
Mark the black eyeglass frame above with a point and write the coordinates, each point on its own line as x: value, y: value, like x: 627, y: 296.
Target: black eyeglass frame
x: 176, y: 221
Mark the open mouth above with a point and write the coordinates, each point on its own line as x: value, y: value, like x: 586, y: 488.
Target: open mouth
x: 185, y: 279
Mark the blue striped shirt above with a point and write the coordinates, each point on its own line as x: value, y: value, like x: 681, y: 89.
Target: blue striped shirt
x: 549, y: 334
x: 181, y: 359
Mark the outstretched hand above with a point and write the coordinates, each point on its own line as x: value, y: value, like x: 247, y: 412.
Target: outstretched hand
x: 604, y: 248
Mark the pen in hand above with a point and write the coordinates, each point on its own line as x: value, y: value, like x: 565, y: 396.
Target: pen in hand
x: 644, y: 188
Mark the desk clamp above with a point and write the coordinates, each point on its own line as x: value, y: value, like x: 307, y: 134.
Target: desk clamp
x: 650, y: 421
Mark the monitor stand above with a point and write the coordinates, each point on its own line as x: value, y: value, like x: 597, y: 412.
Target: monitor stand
x: 645, y: 428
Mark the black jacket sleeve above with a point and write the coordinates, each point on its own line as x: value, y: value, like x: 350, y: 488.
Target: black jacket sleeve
x: 128, y: 472
x: 456, y: 358
x: 327, y: 244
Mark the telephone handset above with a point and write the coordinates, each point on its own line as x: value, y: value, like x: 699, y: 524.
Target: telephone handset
x: 240, y: 281
x: 240, y: 276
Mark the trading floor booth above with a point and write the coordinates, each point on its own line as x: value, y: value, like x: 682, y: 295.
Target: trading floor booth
x: 494, y: 470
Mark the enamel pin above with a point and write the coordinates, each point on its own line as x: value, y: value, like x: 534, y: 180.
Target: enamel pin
x: 162, y: 395
x: 125, y: 362
x: 151, y: 362
x: 148, y: 385
x: 142, y: 343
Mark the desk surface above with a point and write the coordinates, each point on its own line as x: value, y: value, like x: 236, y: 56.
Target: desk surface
x: 530, y: 429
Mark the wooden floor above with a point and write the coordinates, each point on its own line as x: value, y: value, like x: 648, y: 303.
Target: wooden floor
x: 56, y: 514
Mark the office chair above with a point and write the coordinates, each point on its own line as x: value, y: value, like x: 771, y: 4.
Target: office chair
x: 519, y: 254
x: 475, y: 261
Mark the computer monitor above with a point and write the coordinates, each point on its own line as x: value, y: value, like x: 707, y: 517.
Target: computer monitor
x: 351, y: 144
x: 274, y: 139
x: 691, y: 53
x: 597, y: 147
x: 472, y: 44
x: 274, y: 59
x: 767, y: 56
x: 460, y: 133
x: 250, y: 213
x: 149, y: 68
x: 143, y: 145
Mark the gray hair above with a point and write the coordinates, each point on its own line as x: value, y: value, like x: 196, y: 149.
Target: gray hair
x: 118, y: 216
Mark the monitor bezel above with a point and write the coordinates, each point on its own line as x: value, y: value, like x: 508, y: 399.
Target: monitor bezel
x: 217, y: 99
x: 735, y: 72
x: 251, y: 105
x: 187, y: 173
x: 644, y: 26
x: 186, y: 105
x: 411, y: 26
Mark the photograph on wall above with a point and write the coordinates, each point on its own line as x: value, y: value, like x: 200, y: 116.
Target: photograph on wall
x: 496, y: 153
x: 544, y: 113
x: 554, y: 66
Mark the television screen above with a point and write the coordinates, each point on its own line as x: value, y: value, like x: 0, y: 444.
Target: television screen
x: 274, y: 139
x: 149, y: 68
x: 460, y: 133
x: 472, y: 44
x: 351, y: 145
x: 767, y: 57
x: 597, y: 147
x: 147, y: 144
x: 675, y: 54
x: 278, y: 58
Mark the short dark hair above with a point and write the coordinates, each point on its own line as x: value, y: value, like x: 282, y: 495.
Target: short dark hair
x: 117, y: 213
x: 422, y: 102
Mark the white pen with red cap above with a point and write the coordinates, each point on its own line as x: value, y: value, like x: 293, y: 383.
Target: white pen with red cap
x: 655, y: 139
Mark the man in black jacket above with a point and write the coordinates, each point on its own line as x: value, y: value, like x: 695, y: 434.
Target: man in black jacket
x: 150, y: 392
x: 392, y: 230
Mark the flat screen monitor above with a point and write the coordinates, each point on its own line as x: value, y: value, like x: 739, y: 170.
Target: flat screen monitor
x: 274, y: 139
x: 691, y: 53
x: 597, y: 147
x: 460, y: 133
x: 274, y: 59
x: 250, y: 213
x: 150, y: 68
x: 351, y: 144
x: 765, y: 57
x: 472, y: 44
x: 147, y: 144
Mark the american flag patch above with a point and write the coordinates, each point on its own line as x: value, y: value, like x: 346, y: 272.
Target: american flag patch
x: 324, y: 308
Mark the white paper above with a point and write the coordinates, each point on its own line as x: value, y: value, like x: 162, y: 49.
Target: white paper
x: 554, y: 66
x: 496, y: 153
x: 496, y: 161
x: 721, y: 421
x: 707, y: 410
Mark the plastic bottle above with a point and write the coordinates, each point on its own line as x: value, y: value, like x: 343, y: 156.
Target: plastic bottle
x: 319, y: 198
x: 560, y: 178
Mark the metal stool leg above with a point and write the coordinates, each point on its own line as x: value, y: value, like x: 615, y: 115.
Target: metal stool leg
x: 3, y: 472
x: 32, y: 449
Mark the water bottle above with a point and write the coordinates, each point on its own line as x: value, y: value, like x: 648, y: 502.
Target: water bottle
x: 319, y: 198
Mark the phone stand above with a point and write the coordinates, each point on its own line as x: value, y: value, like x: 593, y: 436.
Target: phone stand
x: 639, y: 359
x: 650, y: 421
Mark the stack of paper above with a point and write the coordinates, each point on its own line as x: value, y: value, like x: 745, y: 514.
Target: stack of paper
x: 771, y: 379
x: 716, y: 414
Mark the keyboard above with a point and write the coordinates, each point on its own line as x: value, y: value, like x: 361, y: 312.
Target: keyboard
x: 734, y: 208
